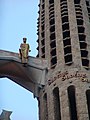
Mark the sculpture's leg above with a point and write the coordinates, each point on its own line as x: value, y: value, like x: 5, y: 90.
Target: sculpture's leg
x: 24, y: 61
x: 27, y: 60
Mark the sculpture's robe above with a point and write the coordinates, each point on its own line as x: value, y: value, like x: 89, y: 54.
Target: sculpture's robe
x: 24, y: 52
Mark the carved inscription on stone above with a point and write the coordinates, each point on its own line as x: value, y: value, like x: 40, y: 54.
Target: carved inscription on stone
x: 68, y: 75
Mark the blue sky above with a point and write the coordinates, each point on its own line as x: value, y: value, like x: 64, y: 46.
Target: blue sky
x: 18, y: 19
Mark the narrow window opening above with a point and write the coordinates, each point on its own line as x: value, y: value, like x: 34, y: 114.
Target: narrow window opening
x: 43, y: 56
x: 53, y: 61
x: 67, y: 50
x: 51, y: 6
x: 81, y: 34
x: 51, y: 9
x: 64, y: 19
x: 67, y: 42
x: 52, y: 28
x: 43, y: 6
x: 78, y: 9
x: 68, y: 59
x: 83, y: 45
x: 53, y: 44
x: 42, y: 22
x: 66, y: 34
x: 42, y: 27
x: 52, y: 36
x: 53, y: 52
x: 42, y: 34
x: 88, y: 101
x: 78, y: 12
x: 79, y: 17
x: 85, y: 62
x: 43, y: 50
x: 64, y: 6
x: 87, y: 3
x: 88, y: 10
x: 43, y: 11
x: 77, y: 1
x: 64, y: 10
x: 51, y: 1
x: 51, y: 13
x: 42, y: 19
x: 84, y: 53
x: 72, y: 102
x: 82, y: 37
x: 57, y: 112
x: 52, y: 21
x: 43, y: 42
x: 51, y: 16
x: 45, y: 107
x: 81, y: 29
x: 64, y: 14
x: 65, y: 26
x: 79, y: 22
x: 63, y: 2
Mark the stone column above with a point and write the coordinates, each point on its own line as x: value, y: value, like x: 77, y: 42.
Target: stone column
x: 82, y: 110
x: 50, y: 106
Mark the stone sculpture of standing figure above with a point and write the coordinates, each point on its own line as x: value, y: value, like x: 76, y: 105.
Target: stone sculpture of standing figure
x: 24, y: 50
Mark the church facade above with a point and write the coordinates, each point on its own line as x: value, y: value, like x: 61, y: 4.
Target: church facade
x: 64, y: 40
x: 60, y: 74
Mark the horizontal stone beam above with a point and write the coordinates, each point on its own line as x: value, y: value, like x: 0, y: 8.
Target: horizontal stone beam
x: 31, y: 77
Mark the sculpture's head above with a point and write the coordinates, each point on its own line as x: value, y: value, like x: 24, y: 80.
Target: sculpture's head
x: 24, y: 40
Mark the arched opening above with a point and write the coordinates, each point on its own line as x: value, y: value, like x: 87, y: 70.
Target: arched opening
x: 45, y: 107
x: 57, y: 112
x: 72, y: 103
x: 88, y: 101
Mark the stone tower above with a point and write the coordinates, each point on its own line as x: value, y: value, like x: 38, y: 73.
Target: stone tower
x: 64, y: 40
